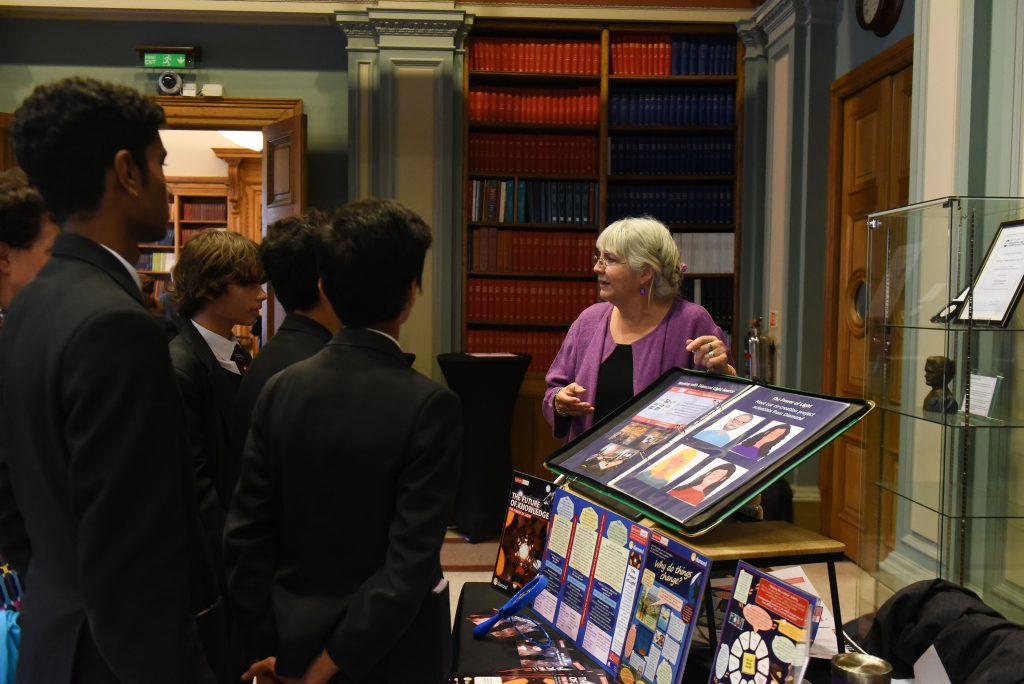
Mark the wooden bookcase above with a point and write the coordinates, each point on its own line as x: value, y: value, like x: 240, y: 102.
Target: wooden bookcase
x: 195, y: 205
x: 572, y: 126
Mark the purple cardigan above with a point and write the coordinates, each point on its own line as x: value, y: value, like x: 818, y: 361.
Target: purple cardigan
x: 589, y: 343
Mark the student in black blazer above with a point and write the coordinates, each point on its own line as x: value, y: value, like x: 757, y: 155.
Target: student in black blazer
x: 98, y: 511
x: 334, y: 536
x: 217, y: 285
x: 288, y: 253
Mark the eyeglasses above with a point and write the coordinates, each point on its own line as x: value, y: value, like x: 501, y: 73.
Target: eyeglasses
x: 605, y: 260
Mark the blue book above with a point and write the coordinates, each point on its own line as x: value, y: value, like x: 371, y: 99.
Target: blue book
x: 521, y: 202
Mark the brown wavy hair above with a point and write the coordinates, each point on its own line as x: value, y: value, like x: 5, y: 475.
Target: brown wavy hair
x: 208, y: 263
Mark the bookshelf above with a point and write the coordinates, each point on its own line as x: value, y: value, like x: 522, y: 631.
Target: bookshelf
x: 569, y: 127
x: 194, y: 205
x: 674, y: 116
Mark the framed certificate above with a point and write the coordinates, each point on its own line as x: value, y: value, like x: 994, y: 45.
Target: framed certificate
x: 1000, y: 280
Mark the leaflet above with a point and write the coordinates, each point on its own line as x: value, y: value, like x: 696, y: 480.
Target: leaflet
x: 767, y: 628
x: 523, y: 533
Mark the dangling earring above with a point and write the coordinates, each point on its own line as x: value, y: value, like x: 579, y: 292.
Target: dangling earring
x: 643, y: 291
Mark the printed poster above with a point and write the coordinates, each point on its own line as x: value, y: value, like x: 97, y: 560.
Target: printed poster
x: 767, y: 627
x: 523, y: 532
x: 661, y: 625
x: 593, y: 564
x: 635, y: 439
x: 726, y: 450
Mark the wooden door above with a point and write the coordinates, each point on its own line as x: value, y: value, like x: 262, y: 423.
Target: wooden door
x: 869, y: 163
x: 6, y: 150
x: 284, y: 186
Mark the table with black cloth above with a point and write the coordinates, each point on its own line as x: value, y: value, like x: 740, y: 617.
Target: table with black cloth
x: 489, y: 656
x: 474, y: 658
x: 488, y: 387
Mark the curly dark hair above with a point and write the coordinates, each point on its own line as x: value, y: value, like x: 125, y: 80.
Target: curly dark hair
x: 21, y: 210
x: 65, y: 135
x: 374, y: 250
x: 208, y: 263
x: 288, y: 252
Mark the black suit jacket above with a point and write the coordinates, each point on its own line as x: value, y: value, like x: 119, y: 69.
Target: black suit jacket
x: 334, y: 536
x: 208, y: 398
x: 96, y: 497
x: 298, y: 338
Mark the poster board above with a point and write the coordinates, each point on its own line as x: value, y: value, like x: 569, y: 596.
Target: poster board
x: 523, y: 532
x: 625, y: 594
x: 692, y: 448
x: 767, y: 630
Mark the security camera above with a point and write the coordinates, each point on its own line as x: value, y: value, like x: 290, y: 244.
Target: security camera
x: 169, y: 83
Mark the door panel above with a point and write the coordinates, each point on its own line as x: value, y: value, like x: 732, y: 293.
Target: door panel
x: 284, y: 188
x: 870, y: 170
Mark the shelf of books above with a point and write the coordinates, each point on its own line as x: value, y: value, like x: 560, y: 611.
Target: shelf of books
x: 194, y: 205
x: 532, y: 189
x: 673, y: 139
x: 570, y: 127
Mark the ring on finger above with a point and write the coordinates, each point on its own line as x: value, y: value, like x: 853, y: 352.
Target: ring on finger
x: 711, y: 353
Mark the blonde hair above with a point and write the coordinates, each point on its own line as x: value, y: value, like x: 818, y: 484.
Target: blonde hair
x: 645, y: 241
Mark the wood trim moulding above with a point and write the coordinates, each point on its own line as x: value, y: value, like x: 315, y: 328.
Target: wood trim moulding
x: 228, y: 112
x: 235, y: 156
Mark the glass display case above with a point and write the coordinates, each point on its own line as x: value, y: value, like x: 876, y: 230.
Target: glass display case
x: 943, y: 488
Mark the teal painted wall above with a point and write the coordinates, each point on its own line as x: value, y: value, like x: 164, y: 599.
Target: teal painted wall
x: 854, y: 45
x: 307, y: 62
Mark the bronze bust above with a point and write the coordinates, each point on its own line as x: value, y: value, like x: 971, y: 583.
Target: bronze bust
x: 938, y: 373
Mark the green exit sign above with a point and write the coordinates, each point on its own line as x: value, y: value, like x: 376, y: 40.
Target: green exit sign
x: 167, y: 60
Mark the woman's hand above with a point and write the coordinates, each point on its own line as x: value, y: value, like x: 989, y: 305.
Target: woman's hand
x: 568, y: 402
x: 709, y: 352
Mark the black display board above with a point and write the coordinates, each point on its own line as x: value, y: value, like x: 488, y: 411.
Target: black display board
x: 692, y: 448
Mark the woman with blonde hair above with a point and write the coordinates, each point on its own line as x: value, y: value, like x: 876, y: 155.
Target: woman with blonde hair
x: 641, y: 329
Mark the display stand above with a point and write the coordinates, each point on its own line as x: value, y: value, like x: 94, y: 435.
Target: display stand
x: 488, y: 387
x: 765, y: 544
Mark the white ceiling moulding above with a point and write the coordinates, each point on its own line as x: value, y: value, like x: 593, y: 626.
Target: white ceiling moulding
x: 323, y: 12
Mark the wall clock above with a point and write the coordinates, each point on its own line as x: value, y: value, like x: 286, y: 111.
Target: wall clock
x: 878, y: 16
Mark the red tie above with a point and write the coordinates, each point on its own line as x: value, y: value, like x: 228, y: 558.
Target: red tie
x: 241, y: 358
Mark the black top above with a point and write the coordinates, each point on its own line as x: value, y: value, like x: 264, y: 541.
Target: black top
x: 614, y: 381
